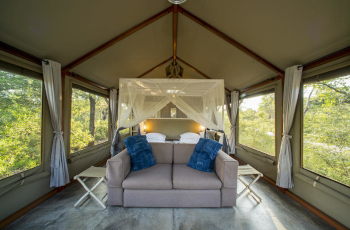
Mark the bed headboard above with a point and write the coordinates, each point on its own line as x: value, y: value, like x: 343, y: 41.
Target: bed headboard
x: 172, y: 128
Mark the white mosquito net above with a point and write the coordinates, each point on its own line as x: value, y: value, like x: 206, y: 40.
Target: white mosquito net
x: 201, y: 100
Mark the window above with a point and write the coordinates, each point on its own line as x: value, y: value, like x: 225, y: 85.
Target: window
x: 20, y: 122
x: 326, y: 126
x: 257, y: 122
x: 89, y: 118
x: 173, y: 112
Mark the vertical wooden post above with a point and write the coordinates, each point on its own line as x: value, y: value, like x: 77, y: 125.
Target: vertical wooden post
x: 63, y: 73
x: 92, y: 118
x: 174, y: 31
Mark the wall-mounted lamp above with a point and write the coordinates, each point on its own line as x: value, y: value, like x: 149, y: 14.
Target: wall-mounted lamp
x: 201, y: 131
x: 144, y: 127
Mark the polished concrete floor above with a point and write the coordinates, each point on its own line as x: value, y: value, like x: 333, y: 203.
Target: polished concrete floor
x: 277, y: 211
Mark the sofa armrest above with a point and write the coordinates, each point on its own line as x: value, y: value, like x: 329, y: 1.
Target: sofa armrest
x: 118, y: 167
x: 227, y: 169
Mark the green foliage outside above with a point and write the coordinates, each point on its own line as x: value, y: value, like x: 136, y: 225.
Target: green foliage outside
x: 124, y: 133
x: 257, y: 125
x: 326, y: 146
x: 20, y: 123
x: 89, y: 120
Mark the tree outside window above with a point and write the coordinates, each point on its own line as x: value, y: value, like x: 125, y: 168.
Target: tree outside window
x: 326, y: 131
x: 20, y: 123
x: 257, y: 123
x: 89, y: 120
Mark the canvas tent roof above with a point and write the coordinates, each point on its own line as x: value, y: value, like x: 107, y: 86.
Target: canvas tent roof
x: 181, y: 87
x: 284, y: 33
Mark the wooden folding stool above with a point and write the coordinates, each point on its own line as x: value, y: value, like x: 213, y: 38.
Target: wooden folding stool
x: 91, y: 172
x: 245, y: 170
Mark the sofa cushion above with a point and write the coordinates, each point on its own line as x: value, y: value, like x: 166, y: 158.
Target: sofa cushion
x: 204, y: 154
x: 183, y: 152
x: 162, y: 152
x: 185, y: 177
x: 155, y: 177
x: 140, y: 152
x: 172, y: 198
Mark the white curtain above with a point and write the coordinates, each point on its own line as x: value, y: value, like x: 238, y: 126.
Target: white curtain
x: 232, y: 111
x: 201, y: 100
x: 290, y: 96
x: 113, y: 107
x: 53, y: 87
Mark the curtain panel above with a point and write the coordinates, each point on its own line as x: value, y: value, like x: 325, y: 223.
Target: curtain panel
x: 53, y: 87
x: 292, y: 80
x: 232, y: 104
x: 113, y: 108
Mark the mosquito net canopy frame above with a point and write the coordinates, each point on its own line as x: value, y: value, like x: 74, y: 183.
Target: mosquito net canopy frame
x: 202, y: 100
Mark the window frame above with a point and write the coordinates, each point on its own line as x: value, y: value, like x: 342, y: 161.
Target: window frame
x: 249, y: 147
x: 41, y: 170
x: 257, y: 154
x: 69, y: 82
x: 324, y: 180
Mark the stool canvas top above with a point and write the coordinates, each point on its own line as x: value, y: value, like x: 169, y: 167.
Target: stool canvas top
x: 247, y: 170
x: 92, y: 172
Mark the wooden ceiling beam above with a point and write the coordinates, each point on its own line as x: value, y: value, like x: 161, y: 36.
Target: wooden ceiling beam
x: 175, y: 30
x: 196, y: 70
x: 268, y: 81
x: 118, y: 38
x: 83, y: 79
x: 231, y: 41
x: 318, y: 62
x: 19, y: 53
x: 329, y: 58
x: 154, y: 68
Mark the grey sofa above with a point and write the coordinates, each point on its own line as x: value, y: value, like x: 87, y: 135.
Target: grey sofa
x: 171, y: 183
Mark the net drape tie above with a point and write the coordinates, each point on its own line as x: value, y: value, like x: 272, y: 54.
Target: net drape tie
x: 116, y: 146
x: 22, y: 180
x: 58, y: 132
x: 316, y: 180
x: 287, y: 135
x: 225, y: 146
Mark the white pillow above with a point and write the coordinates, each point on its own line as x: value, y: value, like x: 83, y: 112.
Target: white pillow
x: 155, y: 139
x: 155, y: 135
x: 190, y: 138
x: 192, y: 141
x: 190, y: 134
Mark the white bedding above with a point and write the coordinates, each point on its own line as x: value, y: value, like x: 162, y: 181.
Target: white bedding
x: 155, y: 137
x: 189, y: 137
x: 156, y: 140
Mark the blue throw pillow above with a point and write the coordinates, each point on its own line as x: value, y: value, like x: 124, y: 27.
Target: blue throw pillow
x: 140, y: 152
x: 204, y: 155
